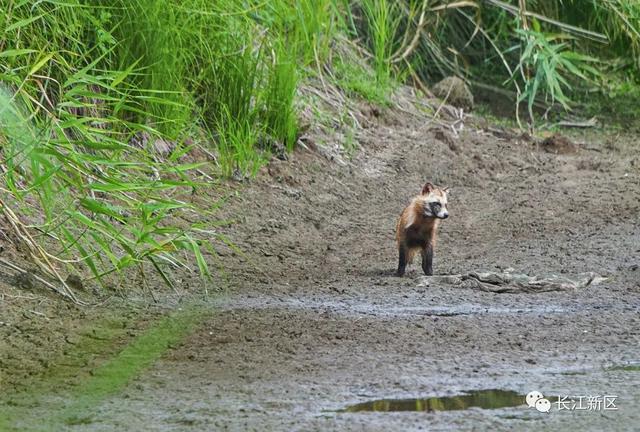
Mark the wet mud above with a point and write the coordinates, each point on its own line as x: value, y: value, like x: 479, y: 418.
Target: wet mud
x: 314, y: 320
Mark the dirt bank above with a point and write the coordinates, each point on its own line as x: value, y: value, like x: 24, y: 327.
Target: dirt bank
x: 314, y: 321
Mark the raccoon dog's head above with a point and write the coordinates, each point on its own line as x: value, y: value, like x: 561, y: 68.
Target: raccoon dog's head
x: 435, y: 201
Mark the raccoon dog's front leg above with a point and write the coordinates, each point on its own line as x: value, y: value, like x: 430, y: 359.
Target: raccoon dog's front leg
x: 427, y: 259
x: 402, y: 260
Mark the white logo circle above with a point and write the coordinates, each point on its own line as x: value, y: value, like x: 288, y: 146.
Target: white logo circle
x: 532, y: 398
x: 543, y: 405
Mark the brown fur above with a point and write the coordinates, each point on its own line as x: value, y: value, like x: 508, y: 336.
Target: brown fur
x: 416, y: 231
x: 423, y: 230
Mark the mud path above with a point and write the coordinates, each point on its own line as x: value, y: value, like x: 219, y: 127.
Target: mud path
x: 315, y: 322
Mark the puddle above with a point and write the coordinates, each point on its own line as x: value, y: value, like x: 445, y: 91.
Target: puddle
x: 485, y: 399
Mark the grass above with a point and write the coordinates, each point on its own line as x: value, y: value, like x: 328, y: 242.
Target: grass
x: 279, y: 114
x: 545, y: 64
x: 382, y: 20
x: 620, y: 100
x: 87, y: 88
x: 70, y: 104
x: 544, y: 50
x: 81, y: 83
x: 358, y: 80
x: 151, y: 36
x: 236, y: 146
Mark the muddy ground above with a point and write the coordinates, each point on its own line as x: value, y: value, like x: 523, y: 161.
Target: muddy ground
x: 314, y: 320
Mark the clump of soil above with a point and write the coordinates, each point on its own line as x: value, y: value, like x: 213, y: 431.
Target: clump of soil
x: 559, y: 144
x: 446, y: 137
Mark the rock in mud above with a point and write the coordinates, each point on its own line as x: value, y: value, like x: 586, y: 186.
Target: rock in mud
x: 455, y: 91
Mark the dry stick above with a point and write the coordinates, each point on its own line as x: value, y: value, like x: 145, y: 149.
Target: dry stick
x: 504, y: 92
x: 456, y: 5
x: 405, y: 37
x: 415, y: 40
x: 205, y: 175
x: 358, y: 48
x: 592, y: 122
x: 524, y: 71
x: 433, y: 118
x: 333, y: 90
x: 208, y: 153
x: 347, y: 104
x: 522, y: 6
x: 420, y: 33
x: 421, y: 24
x: 444, y: 101
x: 323, y: 97
x: 43, y: 91
x: 515, y: 11
x: 39, y: 314
x: 11, y: 296
x: 36, y: 252
x: 38, y: 278
x: 416, y: 79
x: 320, y: 75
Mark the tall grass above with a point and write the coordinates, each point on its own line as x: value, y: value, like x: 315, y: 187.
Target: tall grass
x: 278, y: 99
x: 382, y: 19
x: 544, y: 50
x: 88, y: 87
x: 150, y: 36
x: 79, y: 80
x: 306, y: 25
x: 105, y: 202
x: 545, y: 65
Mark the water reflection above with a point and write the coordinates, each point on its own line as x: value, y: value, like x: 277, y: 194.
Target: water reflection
x: 486, y: 399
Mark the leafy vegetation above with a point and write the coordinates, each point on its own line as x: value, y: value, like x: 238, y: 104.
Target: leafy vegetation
x: 540, y: 49
x: 90, y: 91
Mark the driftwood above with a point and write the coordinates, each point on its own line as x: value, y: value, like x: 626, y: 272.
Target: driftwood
x: 592, y: 122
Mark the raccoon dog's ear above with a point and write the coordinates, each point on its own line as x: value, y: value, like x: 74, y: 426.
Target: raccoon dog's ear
x: 427, y: 189
x: 446, y: 190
